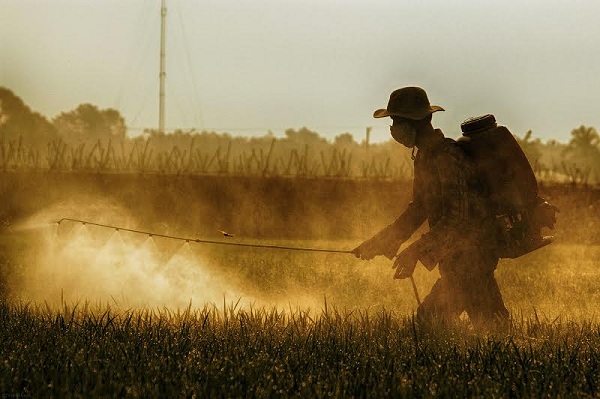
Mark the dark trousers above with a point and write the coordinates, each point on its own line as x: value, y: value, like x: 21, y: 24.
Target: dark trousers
x: 466, y: 284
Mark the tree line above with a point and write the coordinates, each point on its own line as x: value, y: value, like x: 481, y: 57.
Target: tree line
x: 87, y: 124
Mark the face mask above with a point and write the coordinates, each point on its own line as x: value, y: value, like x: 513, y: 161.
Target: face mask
x: 404, y: 133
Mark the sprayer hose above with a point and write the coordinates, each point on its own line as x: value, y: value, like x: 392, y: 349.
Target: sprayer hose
x: 202, y: 241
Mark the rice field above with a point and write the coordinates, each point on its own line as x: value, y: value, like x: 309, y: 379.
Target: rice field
x: 229, y: 352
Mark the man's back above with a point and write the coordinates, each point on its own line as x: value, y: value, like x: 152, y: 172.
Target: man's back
x: 447, y: 184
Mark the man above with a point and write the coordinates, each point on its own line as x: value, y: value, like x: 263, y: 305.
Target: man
x: 445, y: 193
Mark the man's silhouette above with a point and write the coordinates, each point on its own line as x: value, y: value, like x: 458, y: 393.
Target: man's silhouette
x: 461, y: 231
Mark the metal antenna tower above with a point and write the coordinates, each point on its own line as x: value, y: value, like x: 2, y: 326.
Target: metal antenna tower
x: 163, y: 73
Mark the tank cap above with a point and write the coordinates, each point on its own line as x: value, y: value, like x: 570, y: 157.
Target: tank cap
x: 478, y: 123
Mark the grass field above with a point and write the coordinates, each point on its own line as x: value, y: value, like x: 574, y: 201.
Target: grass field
x: 267, y: 353
x: 92, y: 312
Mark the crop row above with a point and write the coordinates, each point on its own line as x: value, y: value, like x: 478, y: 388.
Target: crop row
x: 146, y: 156
x: 142, y: 156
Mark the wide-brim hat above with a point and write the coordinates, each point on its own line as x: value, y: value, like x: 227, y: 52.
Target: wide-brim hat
x: 408, y: 102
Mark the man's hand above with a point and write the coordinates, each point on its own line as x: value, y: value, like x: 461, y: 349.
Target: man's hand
x: 406, y: 262
x: 365, y: 251
x: 544, y: 214
x: 371, y: 248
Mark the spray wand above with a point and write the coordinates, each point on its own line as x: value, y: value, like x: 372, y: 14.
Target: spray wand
x: 237, y: 244
x: 203, y: 241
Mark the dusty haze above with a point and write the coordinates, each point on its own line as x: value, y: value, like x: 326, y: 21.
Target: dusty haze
x: 72, y: 263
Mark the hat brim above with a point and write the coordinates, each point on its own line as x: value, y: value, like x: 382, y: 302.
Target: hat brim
x: 416, y: 115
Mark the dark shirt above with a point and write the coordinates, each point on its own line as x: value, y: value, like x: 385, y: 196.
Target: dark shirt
x: 445, y: 193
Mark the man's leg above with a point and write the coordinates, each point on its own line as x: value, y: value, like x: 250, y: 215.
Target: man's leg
x: 470, y: 284
x: 440, y: 304
x: 484, y: 302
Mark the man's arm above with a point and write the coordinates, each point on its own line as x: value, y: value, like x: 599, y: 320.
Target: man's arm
x: 388, y: 241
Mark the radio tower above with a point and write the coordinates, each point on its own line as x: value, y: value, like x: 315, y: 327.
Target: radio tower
x: 162, y: 74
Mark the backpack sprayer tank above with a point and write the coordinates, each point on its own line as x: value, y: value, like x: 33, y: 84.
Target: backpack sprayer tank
x: 509, y: 186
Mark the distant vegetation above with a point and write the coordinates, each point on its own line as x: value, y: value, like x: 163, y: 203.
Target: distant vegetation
x: 91, y: 139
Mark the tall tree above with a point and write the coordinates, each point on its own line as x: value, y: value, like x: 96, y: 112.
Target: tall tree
x: 87, y: 122
x: 584, y: 146
x: 345, y: 140
x: 17, y: 121
x: 304, y: 136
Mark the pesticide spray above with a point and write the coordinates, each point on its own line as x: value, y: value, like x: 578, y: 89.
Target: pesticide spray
x: 80, y: 262
x: 99, y: 256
